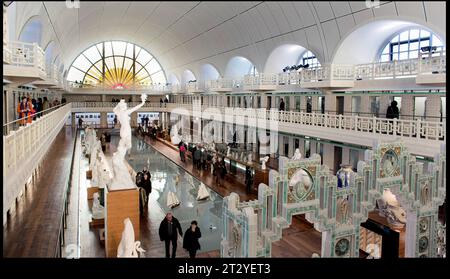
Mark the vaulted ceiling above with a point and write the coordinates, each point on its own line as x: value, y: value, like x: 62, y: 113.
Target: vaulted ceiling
x: 186, y: 35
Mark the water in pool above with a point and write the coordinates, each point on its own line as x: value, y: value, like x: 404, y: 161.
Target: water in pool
x: 207, y: 213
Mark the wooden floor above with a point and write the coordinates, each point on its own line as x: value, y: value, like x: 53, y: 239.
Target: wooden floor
x: 32, y: 230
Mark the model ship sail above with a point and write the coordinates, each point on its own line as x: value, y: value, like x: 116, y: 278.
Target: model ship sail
x: 172, y: 200
x: 202, y: 192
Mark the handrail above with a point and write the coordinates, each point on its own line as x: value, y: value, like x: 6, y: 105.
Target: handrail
x: 431, y: 130
x: 17, y: 125
x: 63, y: 219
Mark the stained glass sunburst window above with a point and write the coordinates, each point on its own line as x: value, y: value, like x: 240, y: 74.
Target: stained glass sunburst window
x: 116, y: 65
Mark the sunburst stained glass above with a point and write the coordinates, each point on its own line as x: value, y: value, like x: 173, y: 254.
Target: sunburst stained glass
x: 116, y: 65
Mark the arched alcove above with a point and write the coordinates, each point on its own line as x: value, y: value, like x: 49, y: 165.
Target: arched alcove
x: 239, y: 66
x: 364, y: 43
x: 187, y: 76
x: 282, y: 56
x: 49, y: 54
x: 31, y: 31
x: 208, y: 72
x: 173, y: 79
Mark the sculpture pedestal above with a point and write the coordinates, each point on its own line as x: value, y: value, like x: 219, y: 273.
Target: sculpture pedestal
x: 261, y: 176
x: 119, y: 205
x: 88, y: 174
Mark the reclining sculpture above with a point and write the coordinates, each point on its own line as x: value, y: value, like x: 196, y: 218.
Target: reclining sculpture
x: 389, y: 207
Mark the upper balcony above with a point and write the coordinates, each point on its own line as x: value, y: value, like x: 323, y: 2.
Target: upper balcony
x: 220, y: 85
x: 80, y: 88
x: 27, y: 63
x: 51, y: 78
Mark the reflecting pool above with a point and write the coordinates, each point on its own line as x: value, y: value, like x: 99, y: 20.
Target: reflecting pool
x: 207, y: 213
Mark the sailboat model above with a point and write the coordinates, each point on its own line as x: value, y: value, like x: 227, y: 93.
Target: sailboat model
x: 172, y: 200
x: 203, y: 193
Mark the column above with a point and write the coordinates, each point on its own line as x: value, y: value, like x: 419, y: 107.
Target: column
x: 365, y: 105
x: 315, y: 105
x: 385, y: 102
x: 407, y: 108
x: 330, y: 104
x: 328, y: 155
x: 348, y: 105
x: 73, y: 120
x: 104, y: 119
x: 263, y: 101
x: 303, y: 104
x: 345, y: 155
x: 103, y: 98
x: 281, y: 145
x: 273, y: 143
x: 133, y: 120
x: 433, y: 108
x: 291, y: 147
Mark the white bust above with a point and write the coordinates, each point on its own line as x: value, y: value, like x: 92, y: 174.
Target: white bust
x: 249, y: 158
x: 264, y: 160
x: 98, y: 211
x: 297, y: 155
x: 128, y: 247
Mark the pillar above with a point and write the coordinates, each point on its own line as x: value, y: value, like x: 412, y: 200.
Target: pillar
x: 330, y: 104
x: 103, y: 98
x: 104, y: 119
x: 281, y: 145
x: 433, y: 108
x: 385, y: 102
x: 303, y: 103
x: 348, y: 105
x: 345, y: 155
x: 328, y: 155
x: 73, y: 120
x: 407, y: 108
x: 133, y: 120
x: 263, y: 101
x: 291, y: 146
x: 315, y: 105
x: 365, y: 105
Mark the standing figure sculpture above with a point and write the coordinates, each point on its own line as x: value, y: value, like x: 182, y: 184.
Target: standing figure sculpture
x: 122, y: 178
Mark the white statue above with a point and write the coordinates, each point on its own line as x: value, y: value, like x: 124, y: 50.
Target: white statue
x: 122, y: 178
x: 389, y: 207
x: 175, y: 138
x: 249, y: 158
x: 264, y: 160
x: 297, y: 155
x: 203, y: 193
x: 172, y: 200
x: 98, y: 211
x: 228, y: 151
x: 128, y: 247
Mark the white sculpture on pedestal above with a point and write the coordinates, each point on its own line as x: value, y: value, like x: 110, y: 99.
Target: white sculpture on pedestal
x: 264, y: 160
x: 228, y: 151
x: 297, y: 155
x: 249, y: 158
x: 128, y: 247
x: 390, y: 208
x: 175, y: 138
x: 98, y: 211
x: 122, y: 178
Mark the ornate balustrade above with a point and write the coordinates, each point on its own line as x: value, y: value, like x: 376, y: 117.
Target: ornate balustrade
x: 307, y: 187
x: 24, y: 149
x: 27, y: 55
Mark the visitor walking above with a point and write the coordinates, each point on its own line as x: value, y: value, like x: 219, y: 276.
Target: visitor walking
x: 45, y: 105
x: 282, y: 106
x: 80, y: 123
x: 182, y: 153
x: 168, y: 232
x: 190, y: 240
x: 23, y: 111
x: 145, y: 184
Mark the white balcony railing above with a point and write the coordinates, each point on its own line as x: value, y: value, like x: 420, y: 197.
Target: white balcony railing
x: 432, y: 63
x: 27, y: 55
x: 24, y: 149
x: 428, y: 130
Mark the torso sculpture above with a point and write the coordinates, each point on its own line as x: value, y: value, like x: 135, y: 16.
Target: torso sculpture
x: 98, y: 211
x: 264, y: 160
x: 122, y: 178
x: 297, y: 155
x: 389, y: 207
x: 128, y: 247
x: 175, y: 138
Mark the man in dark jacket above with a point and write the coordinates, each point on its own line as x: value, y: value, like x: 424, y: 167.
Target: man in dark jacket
x: 198, y: 158
x: 146, y: 184
x: 190, y: 240
x: 168, y: 232
x: 392, y: 111
x: 282, y: 106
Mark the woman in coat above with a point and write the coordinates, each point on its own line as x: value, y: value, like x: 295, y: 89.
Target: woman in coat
x: 190, y: 240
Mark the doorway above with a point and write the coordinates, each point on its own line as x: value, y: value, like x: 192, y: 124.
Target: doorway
x: 340, y: 105
x: 337, y: 158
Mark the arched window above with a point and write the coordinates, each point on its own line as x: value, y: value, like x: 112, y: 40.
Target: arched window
x: 117, y: 65
x: 309, y: 58
x: 408, y: 44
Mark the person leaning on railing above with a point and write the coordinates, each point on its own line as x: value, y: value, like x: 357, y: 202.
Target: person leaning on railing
x: 45, y: 104
x: 24, y: 110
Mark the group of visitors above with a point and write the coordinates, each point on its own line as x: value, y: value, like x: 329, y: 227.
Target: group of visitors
x: 168, y: 232
x: 30, y: 109
x: 161, y: 102
x: 148, y: 129
x: 143, y: 181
